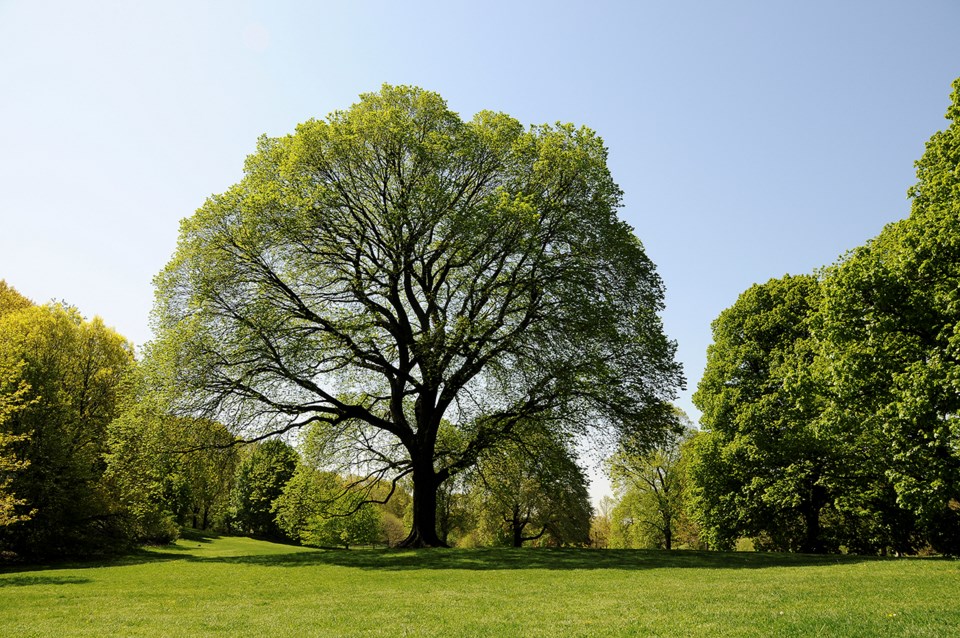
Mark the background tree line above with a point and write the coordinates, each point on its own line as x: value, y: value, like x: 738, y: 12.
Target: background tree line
x: 830, y: 401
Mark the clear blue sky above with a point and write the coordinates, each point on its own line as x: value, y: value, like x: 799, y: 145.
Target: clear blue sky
x: 752, y: 139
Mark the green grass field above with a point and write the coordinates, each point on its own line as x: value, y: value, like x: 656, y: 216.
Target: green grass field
x: 242, y: 587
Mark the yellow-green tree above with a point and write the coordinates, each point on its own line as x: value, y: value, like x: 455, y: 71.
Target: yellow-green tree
x: 651, y: 485
x: 71, y: 369
x: 166, y: 471
x: 12, y: 391
x: 531, y: 489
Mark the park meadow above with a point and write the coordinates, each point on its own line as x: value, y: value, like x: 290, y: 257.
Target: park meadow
x: 233, y: 586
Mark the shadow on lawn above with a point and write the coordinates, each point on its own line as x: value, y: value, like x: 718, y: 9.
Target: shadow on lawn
x: 26, y: 581
x: 552, y: 559
x: 440, y: 559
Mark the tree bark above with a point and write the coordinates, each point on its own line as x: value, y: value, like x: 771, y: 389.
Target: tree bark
x: 812, y: 542
x: 517, y: 527
x: 423, y: 532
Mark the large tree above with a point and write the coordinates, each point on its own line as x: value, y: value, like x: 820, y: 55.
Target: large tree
x: 891, y: 332
x: 392, y: 266
x: 759, y: 468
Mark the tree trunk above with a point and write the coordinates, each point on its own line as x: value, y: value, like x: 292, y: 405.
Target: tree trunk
x: 813, y: 542
x: 517, y: 527
x: 423, y: 532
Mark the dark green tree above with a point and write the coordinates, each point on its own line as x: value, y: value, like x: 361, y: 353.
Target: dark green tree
x: 261, y: 477
x: 392, y: 266
x: 890, y: 334
x: 759, y: 469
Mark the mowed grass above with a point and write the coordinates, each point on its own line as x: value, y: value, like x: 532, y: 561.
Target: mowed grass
x: 242, y: 587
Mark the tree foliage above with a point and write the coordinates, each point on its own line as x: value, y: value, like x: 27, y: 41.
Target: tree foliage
x: 69, y: 373
x: 530, y: 489
x: 319, y: 508
x: 891, y: 326
x: 12, y: 391
x: 651, y: 485
x: 831, y: 402
x: 261, y: 477
x: 393, y: 266
x: 11, y: 300
x: 759, y: 468
x: 167, y: 471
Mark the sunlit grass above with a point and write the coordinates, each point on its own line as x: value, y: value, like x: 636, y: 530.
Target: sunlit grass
x: 242, y: 587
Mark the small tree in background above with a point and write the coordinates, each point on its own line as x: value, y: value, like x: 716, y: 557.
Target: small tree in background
x: 651, y: 484
x: 318, y: 508
x: 261, y: 477
x: 531, y: 489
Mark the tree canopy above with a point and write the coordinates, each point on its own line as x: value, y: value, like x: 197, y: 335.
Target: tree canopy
x: 393, y: 266
x: 759, y: 468
x: 891, y: 326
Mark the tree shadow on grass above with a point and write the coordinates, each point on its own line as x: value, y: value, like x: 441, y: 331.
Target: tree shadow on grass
x: 150, y: 553
x: 485, y: 559
x: 550, y: 559
x: 26, y: 581
x: 136, y: 557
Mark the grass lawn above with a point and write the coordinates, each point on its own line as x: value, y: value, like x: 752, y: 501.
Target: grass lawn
x: 242, y: 587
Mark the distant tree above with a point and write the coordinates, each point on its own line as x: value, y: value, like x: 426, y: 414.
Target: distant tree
x: 168, y: 471
x: 651, y: 483
x: 601, y: 524
x: 72, y: 369
x: 207, y: 458
x: 318, y: 508
x: 261, y: 477
x: 392, y: 266
x: 532, y: 488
